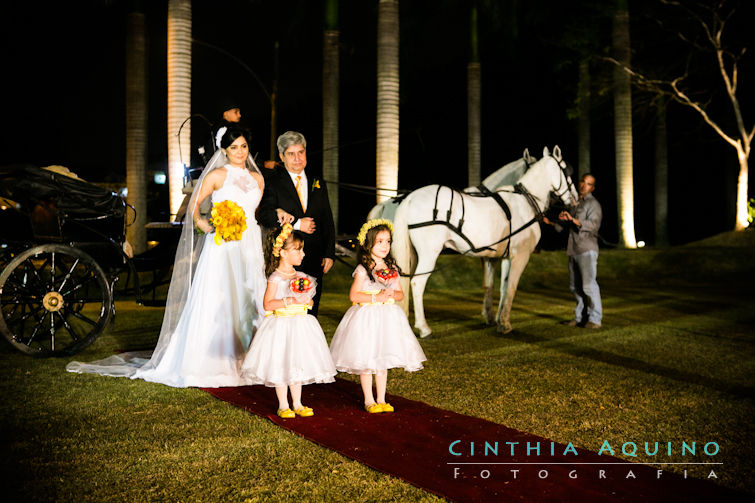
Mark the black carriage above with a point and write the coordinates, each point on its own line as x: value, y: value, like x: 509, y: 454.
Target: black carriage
x: 61, y: 254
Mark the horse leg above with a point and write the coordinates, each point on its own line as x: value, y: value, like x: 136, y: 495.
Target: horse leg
x: 488, y: 269
x: 424, y: 265
x: 505, y: 270
x: 518, y: 263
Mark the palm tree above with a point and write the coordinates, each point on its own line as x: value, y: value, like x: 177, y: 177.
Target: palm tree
x: 473, y: 102
x: 661, y: 176
x: 179, y: 96
x: 330, y: 74
x: 622, y: 106
x: 136, y: 127
x: 581, y: 26
x: 583, y: 117
x: 387, y: 99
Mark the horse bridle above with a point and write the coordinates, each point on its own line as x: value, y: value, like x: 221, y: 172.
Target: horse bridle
x: 532, y: 200
x: 565, y: 171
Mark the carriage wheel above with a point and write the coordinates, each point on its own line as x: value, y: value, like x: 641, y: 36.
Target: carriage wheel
x: 55, y: 300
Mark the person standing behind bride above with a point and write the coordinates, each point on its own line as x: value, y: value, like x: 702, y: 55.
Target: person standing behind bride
x: 289, y: 349
x: 294, y: 195
x: 215, y: 296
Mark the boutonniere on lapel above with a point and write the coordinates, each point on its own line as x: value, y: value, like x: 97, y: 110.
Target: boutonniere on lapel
x: 316, y: 184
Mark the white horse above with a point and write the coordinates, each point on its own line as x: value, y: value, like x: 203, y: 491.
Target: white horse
x: 500, y: 226
x: 508, y: 175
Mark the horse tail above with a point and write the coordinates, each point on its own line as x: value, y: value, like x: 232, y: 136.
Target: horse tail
x: 403, y: 251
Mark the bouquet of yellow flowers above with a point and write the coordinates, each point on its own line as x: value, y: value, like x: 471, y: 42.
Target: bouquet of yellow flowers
x: 229, y: 221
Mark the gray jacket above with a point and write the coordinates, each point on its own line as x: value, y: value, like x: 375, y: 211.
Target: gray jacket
x: 585, y: 238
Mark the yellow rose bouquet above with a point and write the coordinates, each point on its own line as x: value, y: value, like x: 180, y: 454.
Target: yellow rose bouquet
x: 229, y: 221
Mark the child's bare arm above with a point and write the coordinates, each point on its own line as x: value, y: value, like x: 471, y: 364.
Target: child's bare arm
x: 269, y: 302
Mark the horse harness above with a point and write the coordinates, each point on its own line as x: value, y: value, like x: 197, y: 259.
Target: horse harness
x: 483, y: 192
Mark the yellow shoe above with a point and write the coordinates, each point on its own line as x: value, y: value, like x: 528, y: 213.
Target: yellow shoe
x: 375, y: 408
x: 304, y: 411
x: 286, y: 413
x: 386, y: 407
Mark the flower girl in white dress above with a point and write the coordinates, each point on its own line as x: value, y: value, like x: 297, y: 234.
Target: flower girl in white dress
x: 374, y: 334
x: 289, y: 348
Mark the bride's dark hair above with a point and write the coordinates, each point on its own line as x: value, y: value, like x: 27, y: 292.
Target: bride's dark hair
x: 232, y: 133
x: 271, y: 261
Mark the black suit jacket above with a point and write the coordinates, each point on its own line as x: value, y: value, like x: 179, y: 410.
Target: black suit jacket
x: 280, y: 192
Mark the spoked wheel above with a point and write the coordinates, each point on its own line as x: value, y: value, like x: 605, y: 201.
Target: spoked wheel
x: 55, y: 300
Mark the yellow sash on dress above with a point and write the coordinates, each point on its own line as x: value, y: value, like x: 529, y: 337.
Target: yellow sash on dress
x: 376, y: 303
x: 291, y: 310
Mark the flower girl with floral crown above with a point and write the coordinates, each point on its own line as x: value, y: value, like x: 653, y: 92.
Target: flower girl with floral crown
x: 374, y: 334
x: 289, y: 348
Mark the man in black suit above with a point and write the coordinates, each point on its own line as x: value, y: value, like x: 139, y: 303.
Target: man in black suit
x: 293, y: 196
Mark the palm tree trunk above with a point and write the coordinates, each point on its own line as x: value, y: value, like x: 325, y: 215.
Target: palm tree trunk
x: 136, y: 128
x: 622, y: 105
x: 474, y: 144
x: 583, y: 120
x: 387, y: 99
x: 274, y: 105
x: 661, y: 178
x: 330, y: 108
x: 179, y: 96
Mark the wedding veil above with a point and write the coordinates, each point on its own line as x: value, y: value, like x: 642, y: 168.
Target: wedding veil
x: 187, y: 254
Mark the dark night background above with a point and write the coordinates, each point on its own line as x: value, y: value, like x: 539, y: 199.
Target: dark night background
x: 63, y: 98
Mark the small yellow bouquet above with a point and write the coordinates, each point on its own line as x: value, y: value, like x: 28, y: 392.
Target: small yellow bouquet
x: 229, y: 221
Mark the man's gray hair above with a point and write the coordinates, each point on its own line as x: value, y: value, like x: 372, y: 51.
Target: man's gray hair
x: 290, y: 138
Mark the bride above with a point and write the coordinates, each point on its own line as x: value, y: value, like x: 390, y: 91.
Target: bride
x: 214, y: 302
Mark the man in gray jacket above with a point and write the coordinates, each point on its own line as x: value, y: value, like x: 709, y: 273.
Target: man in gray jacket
x: 583, y: 223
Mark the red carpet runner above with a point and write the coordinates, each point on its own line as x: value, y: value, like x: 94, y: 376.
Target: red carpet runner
x: 413, y: 444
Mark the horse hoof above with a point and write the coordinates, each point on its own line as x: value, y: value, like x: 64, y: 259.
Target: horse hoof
x: 425, y: 333
x: 504, y: 329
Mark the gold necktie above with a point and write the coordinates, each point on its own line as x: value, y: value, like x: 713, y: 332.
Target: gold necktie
x: 298, y: 191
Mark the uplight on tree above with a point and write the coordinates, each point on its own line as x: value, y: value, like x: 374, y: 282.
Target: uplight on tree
x: 179, y: 96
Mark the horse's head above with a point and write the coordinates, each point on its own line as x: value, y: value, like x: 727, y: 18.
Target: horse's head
x: 562, y: 185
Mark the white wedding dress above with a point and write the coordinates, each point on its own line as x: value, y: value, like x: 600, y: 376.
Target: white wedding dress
x: 224, y: 305
x: 221, y: 313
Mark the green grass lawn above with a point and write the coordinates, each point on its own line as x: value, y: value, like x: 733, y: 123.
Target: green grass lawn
x: 674, y: 362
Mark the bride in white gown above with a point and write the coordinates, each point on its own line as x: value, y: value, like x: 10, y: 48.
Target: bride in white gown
x: 214, y: 302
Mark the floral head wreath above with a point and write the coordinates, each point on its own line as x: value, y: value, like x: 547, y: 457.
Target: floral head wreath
x: 282, y: 237
x: 369, y: 224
